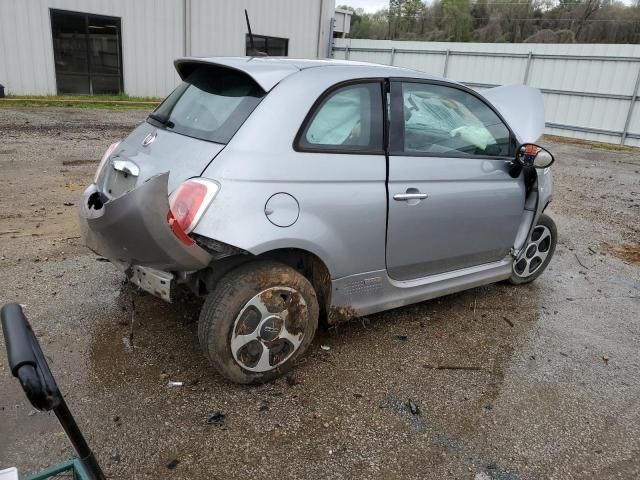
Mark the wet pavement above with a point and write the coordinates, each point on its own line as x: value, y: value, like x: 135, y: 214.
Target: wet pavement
x: 498, y: 382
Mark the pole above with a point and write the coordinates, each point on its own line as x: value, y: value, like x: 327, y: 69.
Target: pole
x: 77, y: 440
x: 253, y: 48
x: 527, y: 68
x: 632, y: 103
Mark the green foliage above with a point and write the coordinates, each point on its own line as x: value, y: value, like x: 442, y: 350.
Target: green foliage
x: 456, y: 21
x: 109, y: 102
x: 557, y: 21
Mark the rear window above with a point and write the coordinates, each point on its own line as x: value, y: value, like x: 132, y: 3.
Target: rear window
x: 210, y: 104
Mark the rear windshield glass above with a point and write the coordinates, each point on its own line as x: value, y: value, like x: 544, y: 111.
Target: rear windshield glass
x: 210, y: 104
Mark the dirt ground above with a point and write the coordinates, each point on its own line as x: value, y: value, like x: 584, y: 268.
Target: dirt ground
x: 498, y: 382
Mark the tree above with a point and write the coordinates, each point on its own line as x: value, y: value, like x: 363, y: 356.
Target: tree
x: 457, y: 19
x: 558, y: 21
x: 588, y: 8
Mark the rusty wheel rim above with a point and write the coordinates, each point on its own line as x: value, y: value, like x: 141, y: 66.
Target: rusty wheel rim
x: 269, y: 329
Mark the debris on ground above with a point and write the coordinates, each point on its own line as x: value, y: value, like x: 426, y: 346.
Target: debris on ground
x: 326, y: 348
x: 173, y: 464
x: 402, y: 338
x: 413, y: 408
x: 508, y: 321
x: 175, y: 384
x: 216, y: 419
x: 605, y: 358
x: 451, y: 367
x: 405, y: 410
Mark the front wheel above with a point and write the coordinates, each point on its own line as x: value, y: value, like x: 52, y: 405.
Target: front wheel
x: 537, y: 254
x: 258, y: 320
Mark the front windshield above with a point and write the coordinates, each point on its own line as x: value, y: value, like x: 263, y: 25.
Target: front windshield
x: 211, y: 104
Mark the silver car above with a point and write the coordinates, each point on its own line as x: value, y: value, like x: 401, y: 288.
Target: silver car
x: 288, y: 191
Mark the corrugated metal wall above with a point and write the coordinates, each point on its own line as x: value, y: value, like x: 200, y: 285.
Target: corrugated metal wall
x: 215, y: 32
x: 153, y: 35
x: 590, y: 91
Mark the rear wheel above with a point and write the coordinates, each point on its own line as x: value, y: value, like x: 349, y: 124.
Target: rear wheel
x: 258, y: 321
x: 537, y: 253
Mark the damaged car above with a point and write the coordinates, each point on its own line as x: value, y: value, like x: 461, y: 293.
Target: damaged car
x: 286, y: 192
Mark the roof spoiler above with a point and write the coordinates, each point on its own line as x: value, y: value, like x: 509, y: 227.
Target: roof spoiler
x: 263, y: 71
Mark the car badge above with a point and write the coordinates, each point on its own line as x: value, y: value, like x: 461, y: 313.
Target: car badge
x: 149, y: 139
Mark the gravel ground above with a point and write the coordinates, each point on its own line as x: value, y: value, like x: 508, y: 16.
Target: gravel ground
x: 509, y: 383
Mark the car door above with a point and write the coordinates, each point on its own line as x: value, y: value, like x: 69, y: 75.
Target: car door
x: 452, y: 202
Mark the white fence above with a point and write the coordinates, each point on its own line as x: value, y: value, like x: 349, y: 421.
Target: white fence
x: 590, y: 91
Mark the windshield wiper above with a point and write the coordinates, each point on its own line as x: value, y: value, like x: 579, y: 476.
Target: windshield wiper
x: 162, y: 120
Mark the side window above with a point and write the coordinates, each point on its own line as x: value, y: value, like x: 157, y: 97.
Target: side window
x: 349, y: 119
x: 445, y: 120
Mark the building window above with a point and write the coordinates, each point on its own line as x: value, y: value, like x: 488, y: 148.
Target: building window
x: 88, y: 53
x: 271, y: 46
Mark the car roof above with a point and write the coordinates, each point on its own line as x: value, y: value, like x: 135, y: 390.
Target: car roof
x: 269, y: 71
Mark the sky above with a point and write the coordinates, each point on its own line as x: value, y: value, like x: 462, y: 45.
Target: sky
x: 371, y: 6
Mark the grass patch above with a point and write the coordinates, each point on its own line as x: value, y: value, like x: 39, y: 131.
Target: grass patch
x: 110, y: 102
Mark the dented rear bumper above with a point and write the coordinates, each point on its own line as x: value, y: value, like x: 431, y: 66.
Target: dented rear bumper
x: 133, y: 229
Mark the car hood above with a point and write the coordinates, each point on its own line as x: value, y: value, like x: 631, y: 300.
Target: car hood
x: 183, y: 157
x: 522, y: 107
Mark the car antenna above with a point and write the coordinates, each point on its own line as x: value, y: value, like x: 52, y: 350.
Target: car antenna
x: 253, y: 48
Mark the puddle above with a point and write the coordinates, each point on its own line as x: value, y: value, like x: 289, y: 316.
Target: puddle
x: 162, y: 340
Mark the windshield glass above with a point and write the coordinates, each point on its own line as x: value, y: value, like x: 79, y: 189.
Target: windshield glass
x: 211, y: 104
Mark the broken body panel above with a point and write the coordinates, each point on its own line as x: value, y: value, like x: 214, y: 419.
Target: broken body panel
x: 133, y: 229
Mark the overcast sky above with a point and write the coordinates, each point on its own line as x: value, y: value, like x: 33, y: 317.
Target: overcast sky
x: 371, y: 6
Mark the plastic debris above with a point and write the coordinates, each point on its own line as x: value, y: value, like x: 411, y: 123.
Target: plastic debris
x: 326, y: 348
x: 216, y: 419
x: 175, y: 384
x: 413, y: 408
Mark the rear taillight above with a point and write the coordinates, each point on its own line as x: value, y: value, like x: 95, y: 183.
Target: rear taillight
x: 187, y: 205
x: 105, y: 157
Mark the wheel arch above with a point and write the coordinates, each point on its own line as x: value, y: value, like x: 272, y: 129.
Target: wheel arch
x: 307, y: 263
x: 311, y: 266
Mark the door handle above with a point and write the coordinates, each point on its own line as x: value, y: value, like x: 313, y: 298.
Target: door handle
x: 409, y: 196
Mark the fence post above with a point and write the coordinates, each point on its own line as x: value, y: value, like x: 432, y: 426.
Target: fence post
x: 346, y: 53
x: 525, y: 80
x: 446, y: 63
x: 393, y: 53
x: 632, y: 103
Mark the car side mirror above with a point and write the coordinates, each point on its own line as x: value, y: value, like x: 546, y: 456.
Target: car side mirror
x: 532, y: 155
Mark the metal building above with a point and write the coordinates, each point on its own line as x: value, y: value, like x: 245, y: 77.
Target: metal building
x: 108, y: 46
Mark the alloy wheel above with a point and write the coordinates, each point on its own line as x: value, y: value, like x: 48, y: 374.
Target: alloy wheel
x: 535, y: 253
x: 269, y: 329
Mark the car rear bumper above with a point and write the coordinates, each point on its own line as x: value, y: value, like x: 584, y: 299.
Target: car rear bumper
x: 132, y: 230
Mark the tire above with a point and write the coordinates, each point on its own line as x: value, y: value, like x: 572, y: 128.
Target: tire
x: 529, y: 254
x: 269, y: 301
